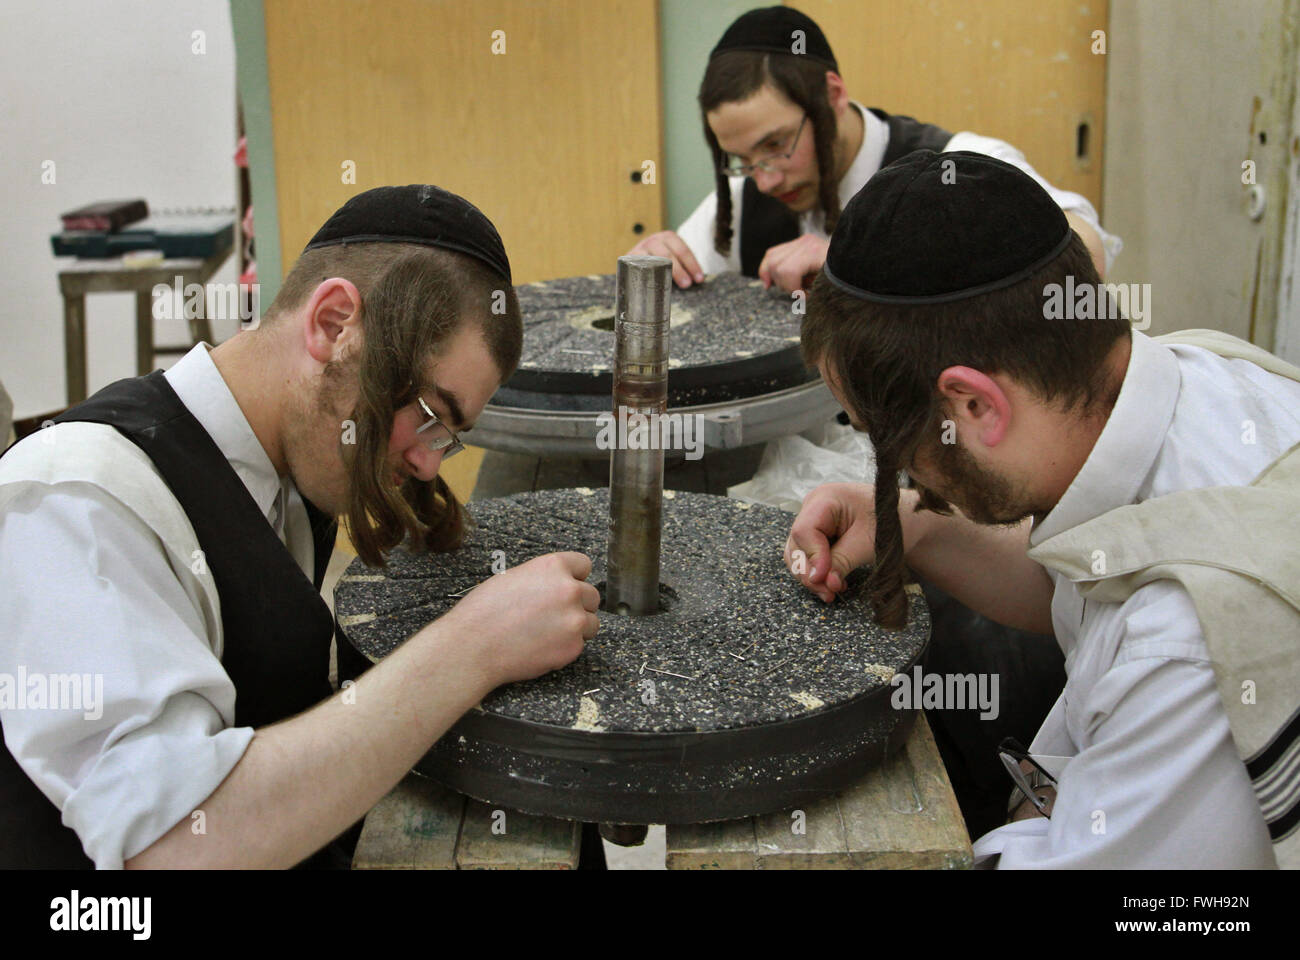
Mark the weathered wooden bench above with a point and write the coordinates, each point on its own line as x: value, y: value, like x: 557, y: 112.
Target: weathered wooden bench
x: 902, y: 815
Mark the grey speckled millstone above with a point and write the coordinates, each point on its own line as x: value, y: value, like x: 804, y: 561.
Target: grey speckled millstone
x: 787, y: 698
x: 728, y: 339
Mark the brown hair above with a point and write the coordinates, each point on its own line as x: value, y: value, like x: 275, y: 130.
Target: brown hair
x: 736, y: 76
x: 887, y: 359
x: 414, y: 299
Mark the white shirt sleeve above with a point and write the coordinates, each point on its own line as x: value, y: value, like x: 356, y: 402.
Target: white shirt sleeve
x: 1157, y: 781
x: 89, y: 589
x: 1067, y: 200
x: 697, y: 232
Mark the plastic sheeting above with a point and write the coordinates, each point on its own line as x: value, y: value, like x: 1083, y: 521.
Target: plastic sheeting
x: 792, y: 466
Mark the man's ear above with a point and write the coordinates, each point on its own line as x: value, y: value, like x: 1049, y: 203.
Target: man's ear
x: 977, y: 403
x: 836, y: 93
x: 331, y: 320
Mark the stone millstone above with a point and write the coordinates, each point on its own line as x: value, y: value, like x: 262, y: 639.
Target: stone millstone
x: 744, y: 695
x: 730, y: 339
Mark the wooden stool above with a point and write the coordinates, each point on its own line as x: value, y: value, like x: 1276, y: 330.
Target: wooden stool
x: 81, y: 277
x: 902, y: 815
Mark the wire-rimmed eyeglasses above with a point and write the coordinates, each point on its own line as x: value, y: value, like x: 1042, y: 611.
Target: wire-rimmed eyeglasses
x: 442, y: 439
x: 732, y: 167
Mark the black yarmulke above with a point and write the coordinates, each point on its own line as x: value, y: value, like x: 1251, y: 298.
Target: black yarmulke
x: 936, y: 227
x: 418, y: 213
x: 772, y: 30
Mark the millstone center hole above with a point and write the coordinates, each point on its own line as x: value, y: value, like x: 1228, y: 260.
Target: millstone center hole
x: 604, y: 323
x: 667, y: 600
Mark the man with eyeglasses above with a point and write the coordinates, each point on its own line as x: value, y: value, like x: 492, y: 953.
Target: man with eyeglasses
x: 163, y: 544
x: 790, y: 149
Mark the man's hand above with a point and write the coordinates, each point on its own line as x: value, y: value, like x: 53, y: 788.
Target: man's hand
x: 834, y: 534
x: 792, y: 266
x: 531, y: 619
x: 665, y: 243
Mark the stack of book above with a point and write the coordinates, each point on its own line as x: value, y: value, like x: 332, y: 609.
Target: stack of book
x: 115, y: 227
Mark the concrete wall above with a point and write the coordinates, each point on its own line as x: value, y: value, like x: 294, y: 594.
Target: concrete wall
x: 113, y: 94
x: 1195, y: 88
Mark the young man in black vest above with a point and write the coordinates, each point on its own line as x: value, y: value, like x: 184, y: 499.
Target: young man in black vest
x: 162, y: 548
x: 790, y: 149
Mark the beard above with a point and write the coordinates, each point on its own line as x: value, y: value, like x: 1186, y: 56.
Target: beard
x: 319, y: 461
x: 981, y: 495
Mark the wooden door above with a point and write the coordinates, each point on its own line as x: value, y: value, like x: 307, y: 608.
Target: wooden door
x: 1022, y: 71
x: 539, y: 113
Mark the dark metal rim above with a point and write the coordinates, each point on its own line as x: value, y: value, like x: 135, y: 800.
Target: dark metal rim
x: 837, y: 723
x: 787, y: 361
x: 593, y: 803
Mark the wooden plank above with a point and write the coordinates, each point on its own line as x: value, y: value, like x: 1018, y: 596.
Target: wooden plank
x: 143, y: 333
x: 74, y: 345
x: 415, y: 827
x: 521, y: 841
x: 822, y: 845
x: 901, y: 815
x: 728, y: 845
x: 904, y: 816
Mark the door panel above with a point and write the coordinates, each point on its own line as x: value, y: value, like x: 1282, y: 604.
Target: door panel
x: 1018, y: 70
x: 543, y: 137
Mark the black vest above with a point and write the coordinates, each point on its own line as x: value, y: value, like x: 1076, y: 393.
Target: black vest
x: 766, y: 221
x: 277, y: 628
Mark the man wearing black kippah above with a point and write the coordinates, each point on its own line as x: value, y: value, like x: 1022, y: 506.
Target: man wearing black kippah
x: 1137, y: 497
x: 166, y: 541
x: 790, y: 148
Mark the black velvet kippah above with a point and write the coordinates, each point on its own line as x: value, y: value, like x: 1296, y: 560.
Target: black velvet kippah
x: 771, y: 30
x: 936, y: 227
x: 418, y: 213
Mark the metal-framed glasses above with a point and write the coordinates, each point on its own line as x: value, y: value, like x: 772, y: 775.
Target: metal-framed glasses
x: 732, y: 167
x: 438, y: 436
x: 1010, y: 752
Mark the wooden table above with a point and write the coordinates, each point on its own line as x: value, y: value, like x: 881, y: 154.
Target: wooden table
x: 902, y: 815
x: 81, y: 277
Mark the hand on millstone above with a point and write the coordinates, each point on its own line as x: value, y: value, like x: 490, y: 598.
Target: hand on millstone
x: 794, y: 265
x: 833, y: 535
x: 529, y: 620
x: 668, y: 244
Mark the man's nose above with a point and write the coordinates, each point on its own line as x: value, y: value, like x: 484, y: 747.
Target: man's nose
x: 423, y: 462
x: 766, y: 180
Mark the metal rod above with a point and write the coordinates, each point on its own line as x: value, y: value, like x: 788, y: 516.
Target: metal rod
x: 636, y: 462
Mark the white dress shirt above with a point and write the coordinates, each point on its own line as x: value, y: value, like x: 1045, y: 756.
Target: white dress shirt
x: 97, y: 577
x: 697, y: 229
x: 1150, y: 776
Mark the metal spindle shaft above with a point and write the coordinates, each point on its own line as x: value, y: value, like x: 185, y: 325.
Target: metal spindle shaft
x: 636, y: 476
